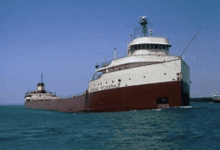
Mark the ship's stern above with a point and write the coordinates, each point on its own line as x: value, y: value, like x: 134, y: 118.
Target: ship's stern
x: 185, y: 84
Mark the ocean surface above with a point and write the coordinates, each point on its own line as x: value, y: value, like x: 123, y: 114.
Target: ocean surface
x: 197, y: 127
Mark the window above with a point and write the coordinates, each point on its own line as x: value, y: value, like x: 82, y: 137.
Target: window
x: 151, y: 46
x: 139, y: 46
x: 135, y: 47
x: 147, y: 46
x: 163, y: 46
x: 156, y: 46
x: 143, y: 46
x: 159, y: 46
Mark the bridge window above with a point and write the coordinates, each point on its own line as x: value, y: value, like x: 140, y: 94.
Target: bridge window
x: 135, y: 47
x: 159, y: 46
x: 147, y: 46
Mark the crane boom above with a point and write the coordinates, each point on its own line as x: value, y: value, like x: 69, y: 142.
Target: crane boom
x: 190, y: 42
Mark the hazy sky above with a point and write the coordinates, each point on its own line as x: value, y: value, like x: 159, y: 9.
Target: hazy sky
x: 65, y: 39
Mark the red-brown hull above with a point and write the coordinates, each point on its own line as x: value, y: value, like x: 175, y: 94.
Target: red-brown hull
x: 121, y: 99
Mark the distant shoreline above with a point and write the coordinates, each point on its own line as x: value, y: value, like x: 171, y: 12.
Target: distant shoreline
x: 12, y: 104
x: 201, y: 99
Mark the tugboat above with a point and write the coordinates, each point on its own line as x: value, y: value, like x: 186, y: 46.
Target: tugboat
x: 147, y: 78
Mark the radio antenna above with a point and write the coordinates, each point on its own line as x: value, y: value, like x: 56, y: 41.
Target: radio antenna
x: 190, y: 42
x: 41, y: 77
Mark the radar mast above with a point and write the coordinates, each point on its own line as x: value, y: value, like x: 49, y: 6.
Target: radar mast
x: 143, y: 22
x: 41, y: 77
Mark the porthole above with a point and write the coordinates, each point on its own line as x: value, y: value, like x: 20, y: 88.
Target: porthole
x: 144, y: 76
x: 164, y: 73
x: 129, y: 78
x: 112, y: 81
x: 119, y: 80
x: 106, y: 82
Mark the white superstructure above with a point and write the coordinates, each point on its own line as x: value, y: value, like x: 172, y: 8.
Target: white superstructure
x: 148, y: 61
x: 40, y: 93
x: 40, y: 96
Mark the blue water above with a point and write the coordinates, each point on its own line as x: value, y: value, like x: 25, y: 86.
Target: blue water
x: 197, y: 127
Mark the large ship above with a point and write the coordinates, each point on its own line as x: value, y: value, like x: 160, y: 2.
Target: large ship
x: 147, y: 78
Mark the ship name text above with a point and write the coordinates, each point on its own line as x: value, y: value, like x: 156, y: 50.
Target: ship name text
x: 103, y: 87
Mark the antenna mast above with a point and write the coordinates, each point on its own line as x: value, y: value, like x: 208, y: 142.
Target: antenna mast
x: 41, y: 77
x: 190, y: 42
x: 143, y: 23
x: 114, y: 53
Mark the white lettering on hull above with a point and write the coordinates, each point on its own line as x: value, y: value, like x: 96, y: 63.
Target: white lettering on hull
x: 103, y: 88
